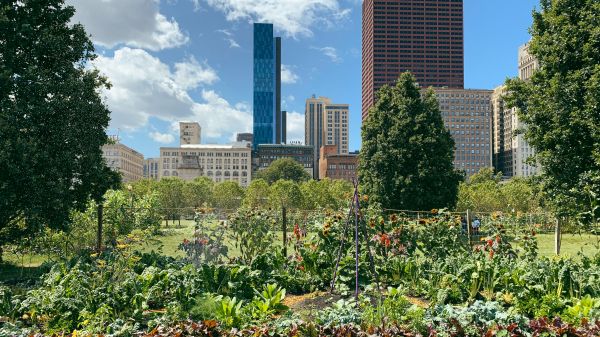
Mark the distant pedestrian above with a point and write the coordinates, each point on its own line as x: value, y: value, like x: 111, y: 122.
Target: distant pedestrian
x: 463, y: 224
x: 476, y: 224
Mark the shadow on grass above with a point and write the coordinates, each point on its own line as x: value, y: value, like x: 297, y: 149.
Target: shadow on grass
x: 11, y: 274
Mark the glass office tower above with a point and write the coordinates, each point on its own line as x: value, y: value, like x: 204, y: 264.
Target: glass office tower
x: 268, y: 127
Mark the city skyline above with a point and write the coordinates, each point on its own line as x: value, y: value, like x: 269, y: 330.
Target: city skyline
x: 206, y: 62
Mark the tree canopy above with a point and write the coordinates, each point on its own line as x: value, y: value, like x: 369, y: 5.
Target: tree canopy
x: 485, y: 192
x: 52, y: 118
x: 561, y: 102
x: 406, y: 161
x: 284, y: 169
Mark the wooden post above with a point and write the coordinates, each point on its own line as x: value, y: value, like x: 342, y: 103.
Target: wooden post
x: 284, y: 229
x: 468, y: 219
x: 99, y: 234
x: 557, y: 236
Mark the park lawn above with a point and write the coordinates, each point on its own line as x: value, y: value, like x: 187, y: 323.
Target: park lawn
x: 571, y: 244
x: 172, y: 235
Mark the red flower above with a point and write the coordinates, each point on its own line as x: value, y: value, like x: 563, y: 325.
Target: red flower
x: 384, y: 239
x: 297, y: 232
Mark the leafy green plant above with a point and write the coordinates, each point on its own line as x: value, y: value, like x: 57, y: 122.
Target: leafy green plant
x: 229, y: 311
x: 208, y: 244
x: 586, y: 308
x: 253, y: 232
x: 340, y: 313
x: 268, y: 302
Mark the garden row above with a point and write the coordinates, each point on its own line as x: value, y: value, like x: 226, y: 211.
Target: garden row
x: 494, y: 288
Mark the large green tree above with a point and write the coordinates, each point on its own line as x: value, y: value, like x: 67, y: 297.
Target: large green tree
x: 406, y: 161
x: 284, y: 169
x: 257, y: 194
x: 52, y: 118
x: 228, y: 195
x: 561, y: 102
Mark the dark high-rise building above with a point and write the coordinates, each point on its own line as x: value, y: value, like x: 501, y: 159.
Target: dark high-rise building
x: 424, y: 37
x: 245, y: 137
x: 267, y: 119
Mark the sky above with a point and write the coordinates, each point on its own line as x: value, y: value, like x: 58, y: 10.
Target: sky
x: 191, y: 60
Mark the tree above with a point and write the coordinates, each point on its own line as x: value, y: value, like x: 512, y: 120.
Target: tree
x: 485, y: 193
x: 228, y: 195
x: 284, y: 169
x: 326, y: 193
x: 52, y: 119
x: 257, y: 194
x: 171, y: 197
x: 561, y: 102
x: 285, y: 193
x: 198, y: 192
x: 406, y: 161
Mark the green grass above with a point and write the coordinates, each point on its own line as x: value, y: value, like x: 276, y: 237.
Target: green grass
x: 571, y: 244
x: 25, y: 266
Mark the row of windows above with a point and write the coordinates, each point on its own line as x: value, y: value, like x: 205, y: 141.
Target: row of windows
x: 206, y: 154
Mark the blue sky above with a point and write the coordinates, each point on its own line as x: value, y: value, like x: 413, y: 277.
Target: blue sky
x: 173, y: 60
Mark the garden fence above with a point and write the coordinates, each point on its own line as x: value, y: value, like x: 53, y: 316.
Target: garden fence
x: 513, y: 224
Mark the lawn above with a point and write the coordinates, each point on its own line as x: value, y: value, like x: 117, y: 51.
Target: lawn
x: 174, y: 233
x: 571, y: 243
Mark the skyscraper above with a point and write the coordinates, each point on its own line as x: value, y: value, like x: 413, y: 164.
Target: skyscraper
x: 424, y: 37
x: 267, y: 118
x: 467, y: 115
x: 325, y: 123
x: 511, y: 149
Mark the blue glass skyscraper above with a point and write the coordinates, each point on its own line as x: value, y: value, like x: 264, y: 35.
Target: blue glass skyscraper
x: 268, y: 127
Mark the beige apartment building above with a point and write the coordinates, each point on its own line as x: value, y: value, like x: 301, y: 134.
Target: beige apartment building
x: 217, y: 162
x: 325, y: 123
x: 511, y: 149
x: 467, y: 114
x: 189, y: 133
x: 151, y: 168
x: 124, y: 160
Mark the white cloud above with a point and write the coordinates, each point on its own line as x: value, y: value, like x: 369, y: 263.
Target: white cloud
x: 136, y: 23
x: 218, y: 118
x: 189, y: 74
x: 287, y: 75
x: 144, y: 87
x: 295, y: 126
x: 163, y: 138
x: 292, y: 17
x: 229, y: 38
x: 330, y: 52
x: 196, y: 4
